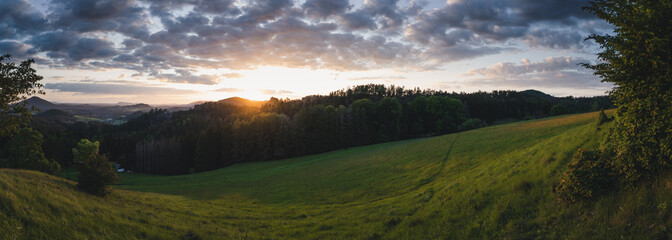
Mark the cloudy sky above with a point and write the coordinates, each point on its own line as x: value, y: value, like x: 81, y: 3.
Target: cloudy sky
x: 179, y: 51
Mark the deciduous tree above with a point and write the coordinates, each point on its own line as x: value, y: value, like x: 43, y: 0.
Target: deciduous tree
x: 16, y: 83
x: 637, y: 59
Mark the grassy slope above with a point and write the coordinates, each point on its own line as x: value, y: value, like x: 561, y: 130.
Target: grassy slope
x: 494, y: 182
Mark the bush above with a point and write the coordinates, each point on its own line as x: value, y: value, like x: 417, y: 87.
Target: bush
x: 589, y: 175
x: 96, y: 172
x: 637, y: 59
x: 558, y: 109
x: 472, y: 123
x: 25, y: 152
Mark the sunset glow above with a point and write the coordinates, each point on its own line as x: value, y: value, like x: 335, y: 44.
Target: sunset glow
x: 179, y: 52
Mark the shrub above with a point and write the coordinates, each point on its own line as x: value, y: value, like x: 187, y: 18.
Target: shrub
x: 472, y: 123
x: 558, y: 109
x: 96, y: 172
x: 637, y: 59
x: 588, y: 176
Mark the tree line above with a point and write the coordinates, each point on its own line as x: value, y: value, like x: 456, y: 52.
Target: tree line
x: 218, y: 134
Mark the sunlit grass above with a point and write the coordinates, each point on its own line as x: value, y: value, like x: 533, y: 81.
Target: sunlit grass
x: 494, y: 182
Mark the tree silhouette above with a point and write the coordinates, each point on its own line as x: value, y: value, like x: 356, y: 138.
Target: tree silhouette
x: 16, y: 83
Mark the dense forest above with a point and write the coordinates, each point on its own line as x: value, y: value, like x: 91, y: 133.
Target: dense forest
x: 217, y: 134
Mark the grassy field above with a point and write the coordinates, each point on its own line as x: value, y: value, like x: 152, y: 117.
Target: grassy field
x: 494, y: 183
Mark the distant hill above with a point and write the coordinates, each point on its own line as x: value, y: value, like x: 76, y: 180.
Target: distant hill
x: 71, y: 112
x: 56, y: 114
x: 537, y: 93
x: 242, y: 102
x: 39, y: 103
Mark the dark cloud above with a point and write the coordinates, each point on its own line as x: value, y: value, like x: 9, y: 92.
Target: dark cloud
x: 547, y: 80
x: 508, y: 69
x: 415, y: 7
x: 18, y: 18
x: 115, y: 89
x: 558, y: 72
x: 156, y: 37
x: 163, y: 7
x: 441, y: 55
x: 376, y: 14
x: 358, y: 20
x: 388, y: 10
x: 91, y: 48
x: 187, y: 23
x: 551, y: 74
x: 91, y: 10
x: 184, y: 76
x: 53, y: 41
x: 555, y: 39
x: 500, y: 20
x: 122, y: 16
x: 263, y: 10
x: 131, y: 44
x: 537, y: 10
x: 16, y: 49
x: 326, y: 8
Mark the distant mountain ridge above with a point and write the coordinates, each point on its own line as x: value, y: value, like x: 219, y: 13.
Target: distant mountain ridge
x: 41, y: 104
x: 114, y: 112
x: 70, y: 112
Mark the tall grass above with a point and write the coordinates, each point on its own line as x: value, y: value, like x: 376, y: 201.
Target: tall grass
x: 494, y: 182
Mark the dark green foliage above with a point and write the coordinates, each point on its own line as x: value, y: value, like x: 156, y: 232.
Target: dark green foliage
x: 587, y: 177
x: 446, y: 113
x: 219, y: 134
x: 16, y: 83
x: 25, y: 152
x: 472, y: 123
x: 96, y: 172
x: 389, y: 113
x: 558, y: 110
x: 637, y: 59
x: 603, y: 118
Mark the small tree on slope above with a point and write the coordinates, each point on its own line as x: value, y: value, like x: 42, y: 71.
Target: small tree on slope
x: 96, y: 172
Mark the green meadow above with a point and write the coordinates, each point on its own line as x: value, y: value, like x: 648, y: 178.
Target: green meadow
x: 491, y: 183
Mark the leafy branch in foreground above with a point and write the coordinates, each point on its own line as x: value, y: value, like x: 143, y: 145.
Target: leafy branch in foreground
x: 637, y: 59
x: 16, y: 83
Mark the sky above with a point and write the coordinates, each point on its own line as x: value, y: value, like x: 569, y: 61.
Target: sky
x: 180, y: 51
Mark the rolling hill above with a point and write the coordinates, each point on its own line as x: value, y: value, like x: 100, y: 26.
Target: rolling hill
x: 490, y: 183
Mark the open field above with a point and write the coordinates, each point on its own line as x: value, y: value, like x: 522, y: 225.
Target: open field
x: 494, y: 182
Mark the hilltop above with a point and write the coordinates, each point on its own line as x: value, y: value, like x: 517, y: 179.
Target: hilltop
x: 39, y: 103
x: 242, y: 102
x: 493, y: 182
x: 115, y: 113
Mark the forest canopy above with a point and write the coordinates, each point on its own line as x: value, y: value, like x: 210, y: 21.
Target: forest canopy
x: 217, y: 134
